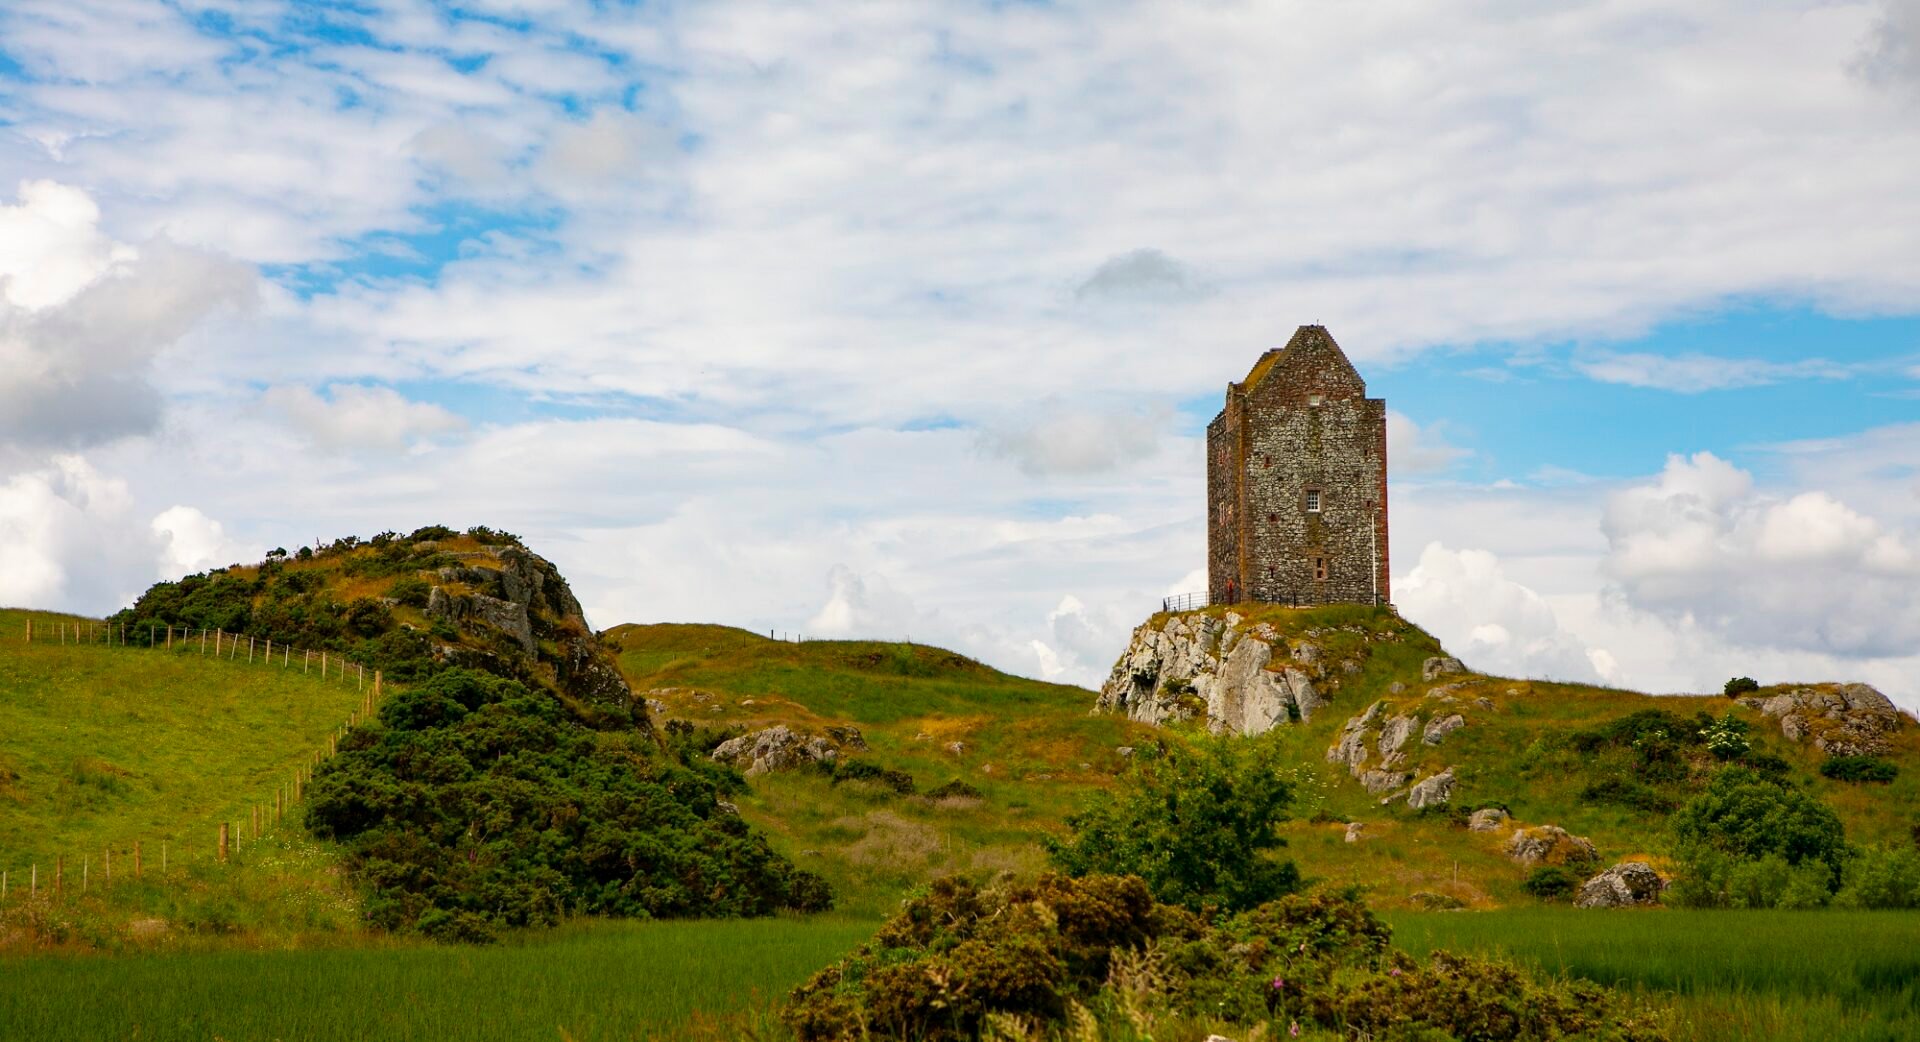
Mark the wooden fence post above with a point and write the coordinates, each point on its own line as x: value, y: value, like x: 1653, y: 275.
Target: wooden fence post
x: 169, y: 636
x: 306, y: 659
x: 106, y: 867
x: 136, y: 859
x: 29, y: 631
x: 163, y: 858
x: 223, y: 841
x: 35, y: 892
x: 86, y: 864
x: 256, y: 820
x: 59, y: 874
x: 249, y: 650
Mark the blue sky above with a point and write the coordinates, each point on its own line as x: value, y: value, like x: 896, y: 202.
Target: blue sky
x: 863, y: 320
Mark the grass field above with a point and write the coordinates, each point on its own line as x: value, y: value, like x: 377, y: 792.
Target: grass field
x: 101, y: 745
x: 587, y: 982
x: 1749, y: 976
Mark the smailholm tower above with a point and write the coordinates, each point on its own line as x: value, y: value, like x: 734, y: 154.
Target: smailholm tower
x: 1297, y: 482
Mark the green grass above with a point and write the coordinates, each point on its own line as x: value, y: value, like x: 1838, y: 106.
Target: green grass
x: 590, y: 981
x: 102, y: 746
x: 1032, y: 749
x: 1849, y: 976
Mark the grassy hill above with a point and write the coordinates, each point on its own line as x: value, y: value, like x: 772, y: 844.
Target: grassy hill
x: 1033, y: 750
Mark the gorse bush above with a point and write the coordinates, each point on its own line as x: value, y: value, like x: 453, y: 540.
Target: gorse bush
x: 474, y: 803
x: 1741, y: 686
x: 1550, y: 881
x: 1099, y: 951
x: 1859, y: 769
x: 1199, y: 823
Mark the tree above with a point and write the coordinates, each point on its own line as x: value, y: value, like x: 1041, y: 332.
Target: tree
x: 1741, y: 686
x: 1197, y: 822
x: 1748, y: 826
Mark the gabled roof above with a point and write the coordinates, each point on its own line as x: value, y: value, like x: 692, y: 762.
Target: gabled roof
x: 1311, y: 345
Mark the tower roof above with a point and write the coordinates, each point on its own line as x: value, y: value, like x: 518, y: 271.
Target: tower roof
x: 1309, y: 344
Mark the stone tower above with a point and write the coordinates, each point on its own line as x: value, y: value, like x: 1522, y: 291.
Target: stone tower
x: 1297, y: 482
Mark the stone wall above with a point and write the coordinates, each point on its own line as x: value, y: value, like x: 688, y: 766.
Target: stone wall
x: 1300, y: 423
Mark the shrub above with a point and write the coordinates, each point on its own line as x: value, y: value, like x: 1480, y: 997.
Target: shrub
x: 475, y: 804
x: 1754, y: 841
x: 1859, y: 769
x: 1741, y: 686
x: 1099, y: 948
x: 1550, y: 881
x: 1199, y: 823
x: 1881, y: 877
x: 890, y: 778
x: 955, y: 789
x: 1726, y: 738
x: 1625, y: 793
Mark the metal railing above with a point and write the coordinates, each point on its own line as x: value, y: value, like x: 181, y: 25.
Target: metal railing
x: 1183, y: 602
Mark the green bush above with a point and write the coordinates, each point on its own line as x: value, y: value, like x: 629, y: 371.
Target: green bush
x: 955, y: 789
x: 1881, y: 877
x: 890, y: 778
x: 1199, y: 823
x: 1726, y: 738
x: 1550, y: 881
x: 474, y: 804
x: 1099, y: 952
x: 1741, y: 686
x: 1859, y: 769
x: 1753, y: 841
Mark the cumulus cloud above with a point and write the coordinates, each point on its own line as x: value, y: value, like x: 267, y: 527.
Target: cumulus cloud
x: 610, y: 148
x: 1890, y: 56
x: 1143, y: 275
x: 355, y: 417
x: 82, y: 318
x: 1413, y: 449
x: 1804, y: 572
x: 1054, y: 438
x: 73, y: 538
x: 1495, y: 624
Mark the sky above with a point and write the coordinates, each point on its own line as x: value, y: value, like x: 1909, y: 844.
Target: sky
x: 905, y: 320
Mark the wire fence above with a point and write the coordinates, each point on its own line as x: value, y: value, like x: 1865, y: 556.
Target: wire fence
x: 179, y: 851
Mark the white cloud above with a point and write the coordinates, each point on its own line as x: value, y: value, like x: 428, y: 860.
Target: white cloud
x: 193, y: 542
x: 1412, y: 449
x: 354, y: 417
x: 1495, y: 624
x: 1694, y: 373
x: 1803, y: 572
x: 1140, y: 276
x: 1054, y: 438
x: 1890, y: 55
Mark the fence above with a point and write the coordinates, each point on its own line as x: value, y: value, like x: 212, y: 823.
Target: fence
x: 223, y: 839
x: 1183, y: 602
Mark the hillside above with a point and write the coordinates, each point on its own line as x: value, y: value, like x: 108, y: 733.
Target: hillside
x: 1546, y: 753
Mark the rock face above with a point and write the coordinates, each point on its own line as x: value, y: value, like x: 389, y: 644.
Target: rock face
x: 512, y: 592
x: 1243, y: 678
x: 1550, y: 845
x: 1439, y: 666
x: 1440, y: 727
x: 1841, y: 719
x: 1433, y: 791
x: 778, y: 748
x: 1622, y: 886
x: 1487, y: 819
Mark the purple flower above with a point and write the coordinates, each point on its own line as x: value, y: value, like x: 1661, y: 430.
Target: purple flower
x: 1278, y: 984
x: 1294, y: 1029
x: 1395, y: 972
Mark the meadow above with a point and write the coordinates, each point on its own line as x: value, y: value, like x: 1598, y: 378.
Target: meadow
x: 587, y: 982
x: 1754, y: 976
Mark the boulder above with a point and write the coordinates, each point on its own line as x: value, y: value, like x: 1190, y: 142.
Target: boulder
x: 1550, y: 845
x: 1439, y: 728
x: 1439, y: 666
x: 1433, y: 791
x: 1356, y: 831
x: 1378, y: 781
x: 778, y: 748
x: 1394, y: 734
x: 1625, y: 885
x: 847, y: 737
x: 1842, y: 719
x: 1487, y: 819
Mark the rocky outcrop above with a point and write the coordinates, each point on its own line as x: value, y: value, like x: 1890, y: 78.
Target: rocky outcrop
x: 1840, y: 719
x: 1350, y: 748
x: 542, y: 635
x: 1432, y: 792
x: 1377, y: 780
x: 1550, y: 845
x: 1487, y: 819
x: 1439, y: 666
x: 1624, y: 885
x: 1356, y: 831
x: 1241, y: 678
x: 778, y: 748
x: 1440, y: 727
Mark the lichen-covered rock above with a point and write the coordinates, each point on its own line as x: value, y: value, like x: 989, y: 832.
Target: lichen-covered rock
x: 1550, y: 845
x: 1842, y: 719
x: 1487, y: 819
x: 1356, y: 831
x: 1242, y: 678
x: 1394, y: 734
x: 847, y: 736
x: 778, y: 748
x: 1350, y: 748
x: 1378, y: 781
x: 1624, y: 885
x: 1433, y: 791
x: 1439, y: 666
x: 1440, y: 727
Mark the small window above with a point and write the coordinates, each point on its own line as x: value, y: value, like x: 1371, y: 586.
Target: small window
x: 1320, y: 569
x: 1271, y: 518
x: 1313, y: 401
x: 1313, y: 501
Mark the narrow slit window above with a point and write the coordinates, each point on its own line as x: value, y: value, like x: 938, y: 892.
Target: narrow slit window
x: 1313, y: 501
x: 1320, y: 569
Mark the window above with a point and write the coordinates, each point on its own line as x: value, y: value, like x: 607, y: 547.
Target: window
x: 1313, y: 501
x: 1320, y: 569
x: 1313, y: 401
x: 1271, y: 518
